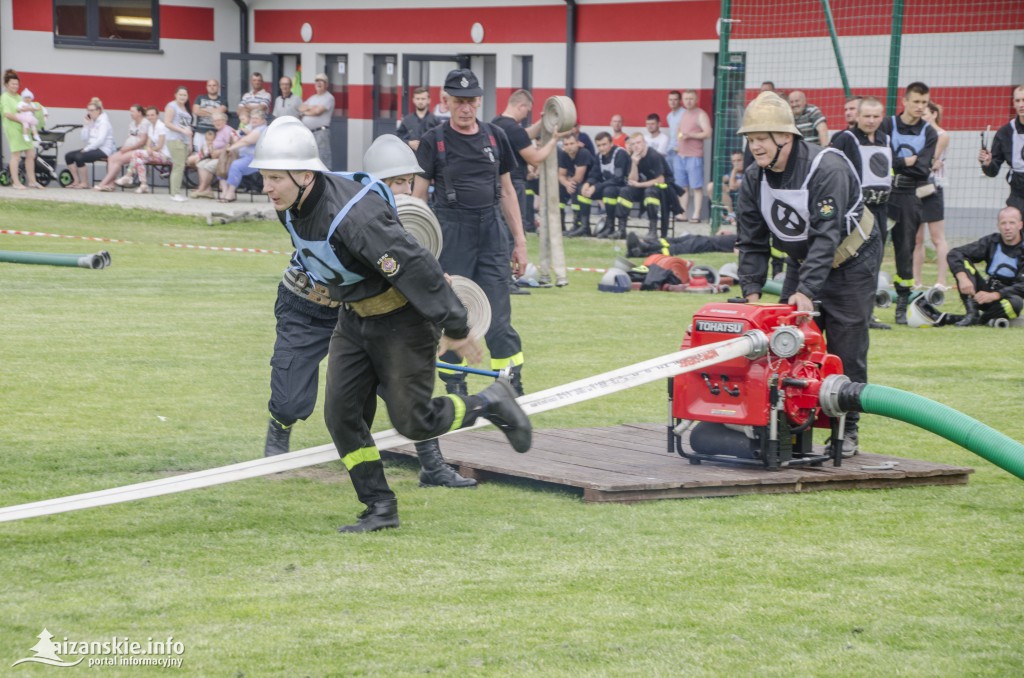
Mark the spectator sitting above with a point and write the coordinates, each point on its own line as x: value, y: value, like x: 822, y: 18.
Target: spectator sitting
x: 731, y: 183
x: 224, y: 136
x: 1001, y: 294
x: 245, y: 147
x: 27, y: 115
x: 99, y: 143
x: 654, y: 137
x: 153, y: 152
x: 574, y: 164
x: 809, y: 119
x: 138, y: 130
x: 289, y: 102
x: 255, y: 99
x: 619, y: 137
x: 584, y: 139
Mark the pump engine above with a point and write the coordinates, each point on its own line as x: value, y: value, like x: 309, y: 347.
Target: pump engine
x: 758, y: 412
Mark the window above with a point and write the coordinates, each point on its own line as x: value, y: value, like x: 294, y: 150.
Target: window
x: 116, y: 24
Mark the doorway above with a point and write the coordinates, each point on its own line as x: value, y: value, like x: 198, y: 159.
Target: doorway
x: 235, y: 70
x: 336, y: 68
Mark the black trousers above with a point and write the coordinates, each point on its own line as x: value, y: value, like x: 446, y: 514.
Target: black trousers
x: 303, y: 338
x: 80, y: 157
x: 606, y: 192
x: 396, y: 353
x: 1008, y: 307
x: 905, y: 210
x: 630, y: 195
x: 476, y: 247
x: 846, y: 303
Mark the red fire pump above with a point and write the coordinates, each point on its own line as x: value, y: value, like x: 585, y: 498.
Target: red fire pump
x: 759, y: 412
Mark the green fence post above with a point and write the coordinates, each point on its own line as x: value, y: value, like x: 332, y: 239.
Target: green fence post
x: 895, y: 45
x: 718, y: 145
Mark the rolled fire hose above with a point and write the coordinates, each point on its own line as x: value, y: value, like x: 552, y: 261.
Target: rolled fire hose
x: 477, y: 306
x: 421, y: 223
x: 752, y: 345
x: 92, y: 261
x: 838, y: 394
x: 559, y: 116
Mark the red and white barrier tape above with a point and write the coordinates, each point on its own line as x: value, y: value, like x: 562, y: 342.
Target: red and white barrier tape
x: 254, y: 250
x: 560, y: 396
x: 589, y: 270
x: 5, y: 231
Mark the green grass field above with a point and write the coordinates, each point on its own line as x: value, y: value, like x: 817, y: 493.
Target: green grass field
x: 159, y: 365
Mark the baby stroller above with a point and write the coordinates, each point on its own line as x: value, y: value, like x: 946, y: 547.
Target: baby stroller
x: 47, y: 155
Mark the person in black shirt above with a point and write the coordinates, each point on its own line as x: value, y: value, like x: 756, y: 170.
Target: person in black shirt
x: 1001, y: 294
x: 470, y: 164
x: 574, y: 165
x: 1008, y: 147
x: 647, y: 180
x: 912, y: 141
x: 521, y: 138
x: 868, y: 150
x: 606, y: 181
x: 415, y: 124
x: 395, y: 304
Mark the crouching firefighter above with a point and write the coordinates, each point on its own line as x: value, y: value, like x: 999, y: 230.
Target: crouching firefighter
x: 806, y: 201
x: 306, y: 317
x: 999, y: 296
x: 394, y: 306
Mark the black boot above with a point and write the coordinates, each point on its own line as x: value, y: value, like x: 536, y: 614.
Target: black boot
x: 633, y: 245
x: 971, y: 315
x: 582, y: 230
x: 497, y: 404
x: 435, y: 472
x: 608, y: 228
x: 380, y: 515
x: 652, y: 230
x: 876, y: 324
x: 455, y: 384
x: 620, y: 234
x: 902, y: 301
x: 277, y: 439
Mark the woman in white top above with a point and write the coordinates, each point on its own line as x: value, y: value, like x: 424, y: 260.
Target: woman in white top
x: 154, y: 152
x: 178, y: 120
x: 933, y: 206
x: 98, y: 135
x: 138, y: 129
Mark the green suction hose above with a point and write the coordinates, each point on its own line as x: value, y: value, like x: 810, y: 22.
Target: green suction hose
x: 92, y: 261
x: 957, y: 427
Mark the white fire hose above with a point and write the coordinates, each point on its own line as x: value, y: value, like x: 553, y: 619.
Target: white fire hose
x: 751, y: 345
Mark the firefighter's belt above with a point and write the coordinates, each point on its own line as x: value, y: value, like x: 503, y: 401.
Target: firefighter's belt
x: 851, y: 244
x: 299, y: 284
x: 385, y: 302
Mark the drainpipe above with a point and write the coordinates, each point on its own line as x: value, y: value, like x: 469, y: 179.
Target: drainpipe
x: 570, y: 48
x: 243, y: 25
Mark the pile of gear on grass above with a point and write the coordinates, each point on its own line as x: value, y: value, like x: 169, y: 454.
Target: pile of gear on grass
x: 667, y: 273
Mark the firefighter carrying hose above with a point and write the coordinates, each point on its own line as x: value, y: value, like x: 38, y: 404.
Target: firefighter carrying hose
x: 395, y: 304
x: 806, y: 201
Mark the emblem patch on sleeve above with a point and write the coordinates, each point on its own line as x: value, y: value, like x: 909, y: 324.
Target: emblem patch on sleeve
x: 827, y: 208
x: 387, y: 265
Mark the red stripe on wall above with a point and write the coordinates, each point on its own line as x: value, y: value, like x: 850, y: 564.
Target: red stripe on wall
x: 647, y: 21
x: 32, y: 15
x: 56, y: 90
x: 413, y: 26
x: 186, y: 23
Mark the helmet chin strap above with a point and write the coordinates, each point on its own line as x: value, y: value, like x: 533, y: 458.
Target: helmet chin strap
x: 778, y: 151
x: 302, y: 188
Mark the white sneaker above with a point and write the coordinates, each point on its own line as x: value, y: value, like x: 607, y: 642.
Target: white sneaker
x: 178, y: 197
x: 126, y: 180
x: 142, y: 189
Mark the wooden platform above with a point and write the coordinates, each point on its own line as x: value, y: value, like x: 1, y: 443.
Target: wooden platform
x: 631, y: 462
